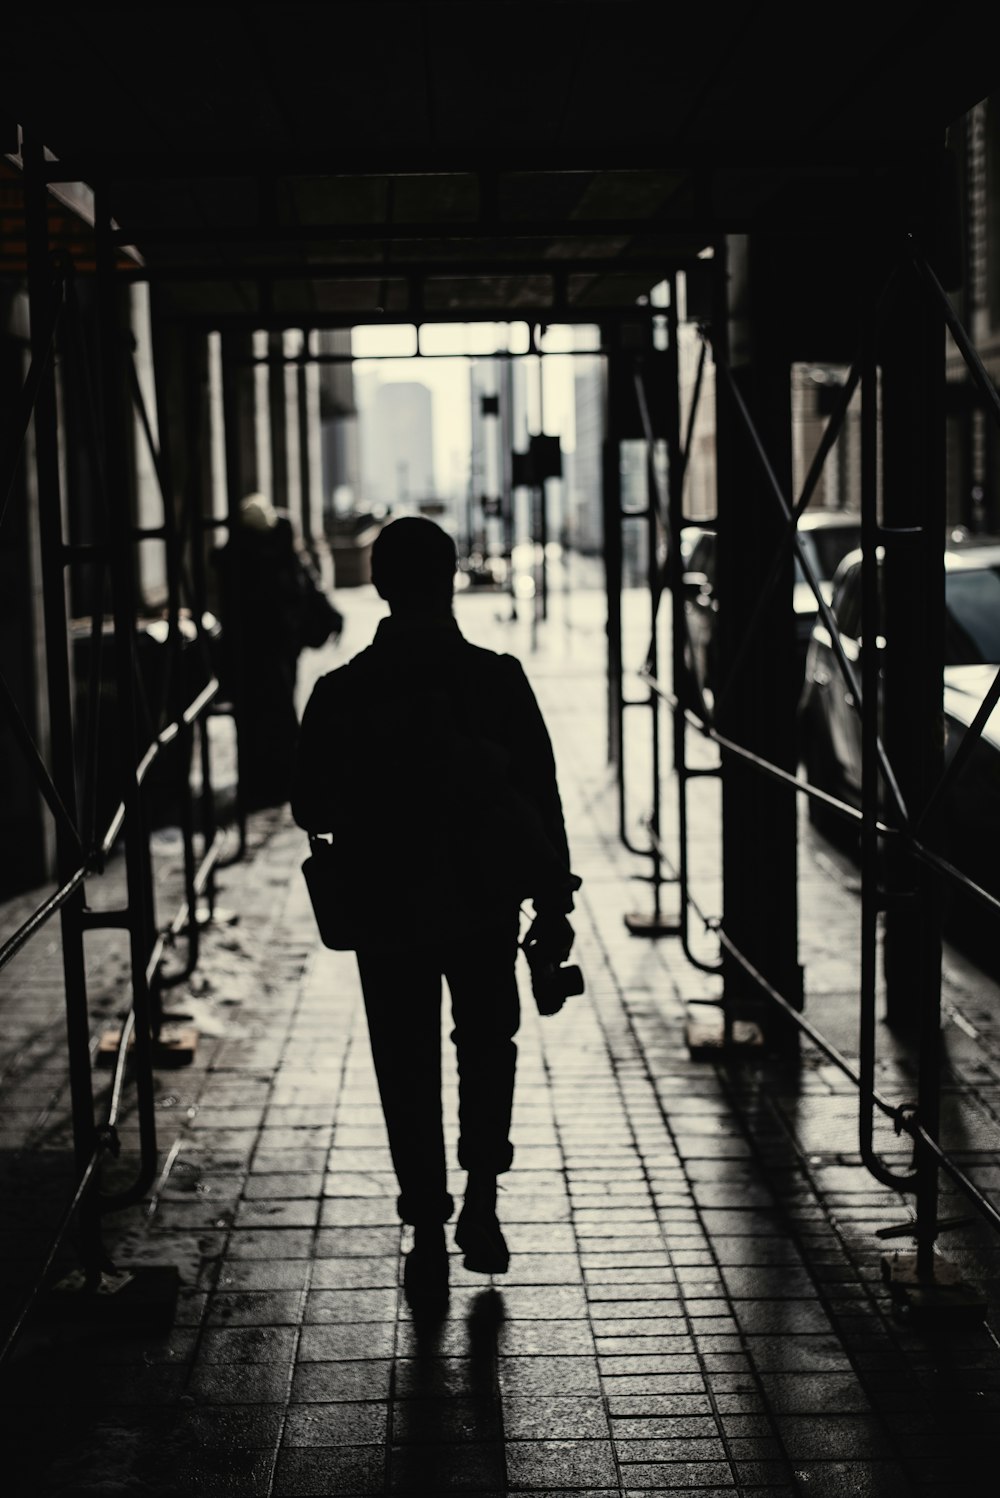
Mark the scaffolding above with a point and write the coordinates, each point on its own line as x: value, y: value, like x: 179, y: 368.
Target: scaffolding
x: 901, y: 869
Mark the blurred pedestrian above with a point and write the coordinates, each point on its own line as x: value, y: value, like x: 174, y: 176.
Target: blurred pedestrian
x: 272, y: 606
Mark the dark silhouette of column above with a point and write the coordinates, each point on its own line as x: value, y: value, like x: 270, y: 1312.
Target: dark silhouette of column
x: 759, y: 835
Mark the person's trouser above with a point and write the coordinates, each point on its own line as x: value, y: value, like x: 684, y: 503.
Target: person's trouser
x: 402, y: 992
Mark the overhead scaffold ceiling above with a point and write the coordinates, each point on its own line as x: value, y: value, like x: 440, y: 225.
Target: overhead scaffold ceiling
x: 353, y: 163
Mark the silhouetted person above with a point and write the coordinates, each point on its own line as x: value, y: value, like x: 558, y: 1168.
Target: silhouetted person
x: 428, y: 760
x: 272, y: 606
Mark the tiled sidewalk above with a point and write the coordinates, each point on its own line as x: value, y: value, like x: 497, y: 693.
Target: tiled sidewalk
x: 694, y: 1302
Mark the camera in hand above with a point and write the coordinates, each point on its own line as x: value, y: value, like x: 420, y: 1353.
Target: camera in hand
x: 552, y: 982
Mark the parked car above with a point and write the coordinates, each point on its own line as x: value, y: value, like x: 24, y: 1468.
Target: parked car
x: 830, y: 726
x: 826, y: 537
x: 701, y: 605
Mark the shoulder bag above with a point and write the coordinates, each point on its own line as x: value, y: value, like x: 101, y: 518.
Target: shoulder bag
x: 334, y: 900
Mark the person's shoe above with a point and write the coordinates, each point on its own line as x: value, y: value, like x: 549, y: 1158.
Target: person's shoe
x: 478, y: 1235
x: 425, y: 1272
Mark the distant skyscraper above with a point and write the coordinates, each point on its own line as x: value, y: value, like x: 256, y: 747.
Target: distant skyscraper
x: 397, y: 444
x: 585, y: 492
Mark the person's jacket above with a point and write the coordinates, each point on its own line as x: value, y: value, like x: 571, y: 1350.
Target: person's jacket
x: 428, y: 760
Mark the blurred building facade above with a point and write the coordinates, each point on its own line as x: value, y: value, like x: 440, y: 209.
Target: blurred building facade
x: 974, y: 442
x: 396, y: 430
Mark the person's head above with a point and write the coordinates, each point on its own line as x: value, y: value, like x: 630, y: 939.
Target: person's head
x: 257, y: 513
x: 413, y: 566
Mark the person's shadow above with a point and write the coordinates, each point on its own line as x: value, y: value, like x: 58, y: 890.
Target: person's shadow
x: 447, y: 1429
x: 486, y: 1317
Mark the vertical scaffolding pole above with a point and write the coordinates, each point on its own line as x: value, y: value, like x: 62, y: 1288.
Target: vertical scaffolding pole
x: 177, y: 694
x: 195, y: 444
x: 312, y: 523
x: 122, y: 567
x: 674, y: 573
x: 543, y: 500
x: 638, y: 922
x: 506, y: 424
x: 59, y: 683
x: 241, y: 475
x: 871, y: 883
x: 633, y: 383
x: 611, y: 504
x: 913, y: 536
x: 277, y: 404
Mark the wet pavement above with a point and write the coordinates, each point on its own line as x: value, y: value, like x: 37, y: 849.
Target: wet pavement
x: 695, y: 1301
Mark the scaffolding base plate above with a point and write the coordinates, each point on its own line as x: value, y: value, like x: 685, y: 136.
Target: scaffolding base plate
x: 944, y: 1293
x: 140, y: 1300
x: 706, y: 1039
x: 651, y: 925
x: 175, y: 1046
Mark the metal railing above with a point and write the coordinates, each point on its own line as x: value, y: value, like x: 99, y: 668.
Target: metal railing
x: 82, y: 846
